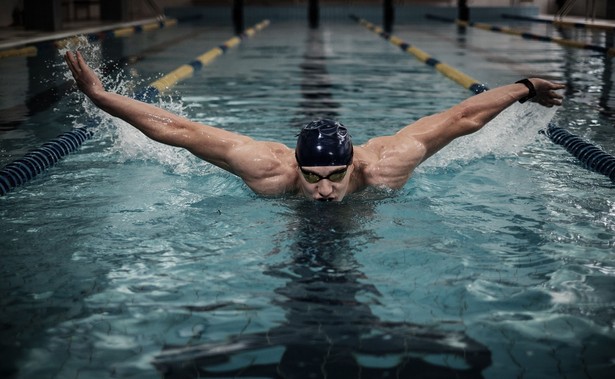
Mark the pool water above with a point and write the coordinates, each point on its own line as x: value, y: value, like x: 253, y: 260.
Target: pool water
x: 134, y: 260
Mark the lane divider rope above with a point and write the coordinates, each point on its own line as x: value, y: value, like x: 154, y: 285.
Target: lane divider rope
x: 535, y: 37
x: 459, y: 77
x: 186, y: 70
x: 38, y: 160
x: 592, y: 157
x: 565, y: 24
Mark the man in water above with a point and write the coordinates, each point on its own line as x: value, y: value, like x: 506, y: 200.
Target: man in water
x: 325, y: 165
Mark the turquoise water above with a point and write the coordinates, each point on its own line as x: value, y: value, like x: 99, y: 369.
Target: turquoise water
x: 134, y: 260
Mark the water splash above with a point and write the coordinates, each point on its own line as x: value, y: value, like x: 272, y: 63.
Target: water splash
x: 129, y: 144
x: 81, y: 44
x: 506, y: 135
x: 126, y: 143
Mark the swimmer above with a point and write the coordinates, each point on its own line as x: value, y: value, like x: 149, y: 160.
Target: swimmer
x: 324, y: 165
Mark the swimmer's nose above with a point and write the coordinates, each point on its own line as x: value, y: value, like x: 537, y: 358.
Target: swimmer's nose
x: 325, y: 190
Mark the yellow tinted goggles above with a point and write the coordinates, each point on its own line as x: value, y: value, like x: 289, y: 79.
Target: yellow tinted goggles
x: 335, y: 176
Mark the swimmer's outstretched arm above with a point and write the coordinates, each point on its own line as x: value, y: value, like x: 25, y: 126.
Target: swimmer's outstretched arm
x: 436, y: 131
x: 393, y: 158
x: 156, y: 123
x: 256, y: 162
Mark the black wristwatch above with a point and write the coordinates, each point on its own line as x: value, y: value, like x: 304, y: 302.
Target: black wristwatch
x: 529, y: 86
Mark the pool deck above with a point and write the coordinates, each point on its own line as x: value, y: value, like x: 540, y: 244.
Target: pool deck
x: 14, y: 37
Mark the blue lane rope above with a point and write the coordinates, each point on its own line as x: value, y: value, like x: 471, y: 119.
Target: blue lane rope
x: 592, y: 157
x: 524, y: 35
x: 38, y: 160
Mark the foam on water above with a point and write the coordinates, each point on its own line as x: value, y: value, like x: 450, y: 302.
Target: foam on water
x: 506, y: 135
x: 126, y: 142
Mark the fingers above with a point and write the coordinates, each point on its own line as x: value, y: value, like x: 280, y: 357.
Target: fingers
x: 559, y: 86
x: 81, y: 61
x: 68, y: 57
x: 555, y: 95
x: 551, y: 101
x: 77, y: 64
x: 75, y: 60
x: 72, y: 64
x: 550, y: 97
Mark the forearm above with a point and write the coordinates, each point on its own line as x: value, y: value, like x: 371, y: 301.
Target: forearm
x: 157, y: 124
x: 476, y: 111
x: 436, y: 131
x: 209, y: 143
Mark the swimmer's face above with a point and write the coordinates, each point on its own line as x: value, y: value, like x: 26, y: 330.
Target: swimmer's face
x: 325, y: 183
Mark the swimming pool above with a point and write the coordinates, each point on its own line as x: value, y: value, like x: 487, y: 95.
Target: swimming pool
x: 131, y: 259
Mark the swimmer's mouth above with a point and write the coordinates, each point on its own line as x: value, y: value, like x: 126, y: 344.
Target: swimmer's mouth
x: 323, y: 199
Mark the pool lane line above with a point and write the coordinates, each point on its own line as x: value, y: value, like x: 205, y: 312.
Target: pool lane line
x: 450, y: 72
x: 565, y: 24
x: 525, y: 35
x: 592, y: 157
x: 32, y: 49
x: 38, y: 160
x: 184, y: 71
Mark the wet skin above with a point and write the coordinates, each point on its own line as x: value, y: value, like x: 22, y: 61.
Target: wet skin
x: 325, y: 189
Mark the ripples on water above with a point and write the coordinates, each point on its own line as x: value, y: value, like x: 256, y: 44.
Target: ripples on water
x: 495, y: 258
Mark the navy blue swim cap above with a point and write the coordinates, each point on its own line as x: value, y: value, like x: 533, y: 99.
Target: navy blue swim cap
x: 324, y: 143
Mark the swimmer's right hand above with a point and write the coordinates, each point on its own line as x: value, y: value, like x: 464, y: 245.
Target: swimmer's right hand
x: 87, y: 80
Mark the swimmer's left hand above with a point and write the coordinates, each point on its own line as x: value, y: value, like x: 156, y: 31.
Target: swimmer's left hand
x: 545, y: 92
